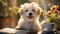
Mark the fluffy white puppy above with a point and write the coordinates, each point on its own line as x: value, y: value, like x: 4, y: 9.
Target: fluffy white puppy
x: 29, y: 20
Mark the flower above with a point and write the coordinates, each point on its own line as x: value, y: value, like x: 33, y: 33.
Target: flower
x: 56, y: 12
x: 49, y: 13
x: 54, y: 7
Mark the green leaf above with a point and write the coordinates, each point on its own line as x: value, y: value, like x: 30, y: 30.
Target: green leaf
x: 0, y: 1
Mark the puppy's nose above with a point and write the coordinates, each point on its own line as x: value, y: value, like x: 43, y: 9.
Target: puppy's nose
x: 30, y: 14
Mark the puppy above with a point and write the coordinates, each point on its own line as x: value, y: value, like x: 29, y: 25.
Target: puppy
x: 29, y: 17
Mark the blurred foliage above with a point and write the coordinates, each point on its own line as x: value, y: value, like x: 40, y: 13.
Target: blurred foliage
x: 1, y: 1
x: 22, y: 1
x: 57, y: 1
x: 52, y: 18
x: 7, y: 11
x: 11, y: 11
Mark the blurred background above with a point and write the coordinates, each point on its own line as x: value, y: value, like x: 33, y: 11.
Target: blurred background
x: 9, y: 10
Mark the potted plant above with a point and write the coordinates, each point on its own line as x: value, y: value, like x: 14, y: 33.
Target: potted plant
x: 51, y: 20
x: 7, y: 11
x: 52, y: 14
x: 6, y: 21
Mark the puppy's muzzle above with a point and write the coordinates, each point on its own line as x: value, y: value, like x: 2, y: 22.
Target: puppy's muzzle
x: 30, y: 14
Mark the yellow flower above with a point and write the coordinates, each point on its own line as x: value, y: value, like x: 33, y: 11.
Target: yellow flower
x: 54, y: 7
x: 49, y: 13
x: 56, y: 12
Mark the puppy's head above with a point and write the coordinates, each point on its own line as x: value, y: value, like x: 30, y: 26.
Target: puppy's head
x: 30, y: 10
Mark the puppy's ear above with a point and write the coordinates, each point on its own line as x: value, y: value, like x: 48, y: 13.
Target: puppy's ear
x: 20, y: 11
x: 38, y: 11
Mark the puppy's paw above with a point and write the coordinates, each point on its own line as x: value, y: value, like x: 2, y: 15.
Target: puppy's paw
x: 17, y: 28
x: 40, y: 32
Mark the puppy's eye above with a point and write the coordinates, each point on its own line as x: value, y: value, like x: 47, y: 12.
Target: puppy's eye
x: 26, y: 11
x: 33, y: 10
